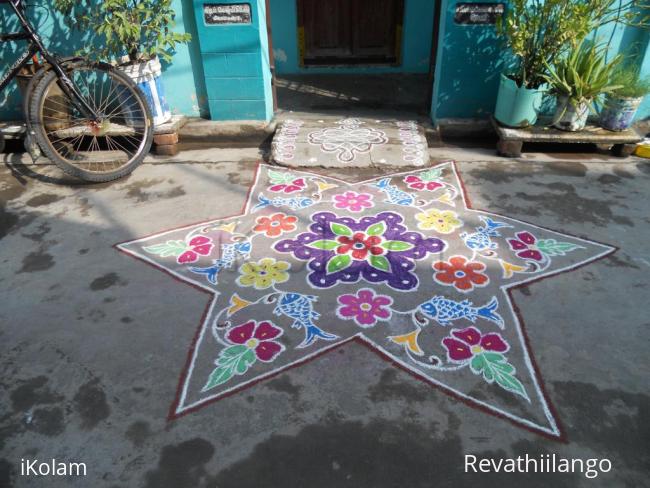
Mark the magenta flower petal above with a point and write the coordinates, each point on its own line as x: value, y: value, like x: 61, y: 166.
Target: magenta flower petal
x: 526, y: 238
x: 529, y: 254
x: 412, y: 179
x: 267, y: 350
x: 494, y: 342
x: 365, y: 296
x: 241, y: 333
x: 348, y: 300
x: 199, y: 240
x: 187, y: 257
x: 366, y: 318
x: 277, y: 187
x: 471, y: 335
x: 456, y: 350
x: 382, y: 313
x: 349, y: 310
x: 516, y: 245
x: 266, y: 331
x: 382, y: 300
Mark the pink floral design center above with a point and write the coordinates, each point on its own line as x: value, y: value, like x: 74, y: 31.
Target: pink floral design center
x: 360, y: 245
x: 365, y: 308
x: 354, y: 202
x: 525, y: 247
x: 469, y: 342
x: 198, y: 246
x: 258, y: 338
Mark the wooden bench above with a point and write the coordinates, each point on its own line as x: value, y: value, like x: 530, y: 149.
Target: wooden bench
x: 511, y: 140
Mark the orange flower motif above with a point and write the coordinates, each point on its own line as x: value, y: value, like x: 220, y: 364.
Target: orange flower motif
x: 276, y: 224
x: 464, y: 275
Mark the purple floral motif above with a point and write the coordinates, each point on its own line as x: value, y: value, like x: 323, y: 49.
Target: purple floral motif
x: 525, y: 247
x: 334, y: 247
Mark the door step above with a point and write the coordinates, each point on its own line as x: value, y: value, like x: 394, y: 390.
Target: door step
x: 349, y: 142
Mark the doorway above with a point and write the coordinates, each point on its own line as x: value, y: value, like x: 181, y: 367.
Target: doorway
x: 350, y: 32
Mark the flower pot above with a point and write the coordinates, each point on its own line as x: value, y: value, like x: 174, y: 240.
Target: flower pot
x: 618, y: 113
x: 570, y: 116
x: 517, y: 106
x: 148, y: 78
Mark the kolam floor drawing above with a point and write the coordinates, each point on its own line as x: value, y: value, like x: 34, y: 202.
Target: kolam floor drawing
x: 401, y: 264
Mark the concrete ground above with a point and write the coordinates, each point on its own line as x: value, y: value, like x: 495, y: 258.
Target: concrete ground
x: 93, y: 342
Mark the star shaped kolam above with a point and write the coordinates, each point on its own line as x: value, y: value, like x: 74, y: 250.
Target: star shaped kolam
x: 400, y: 263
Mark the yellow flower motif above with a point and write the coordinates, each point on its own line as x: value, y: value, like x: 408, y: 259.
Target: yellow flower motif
x: 263, y: 274
x: 444, y: 221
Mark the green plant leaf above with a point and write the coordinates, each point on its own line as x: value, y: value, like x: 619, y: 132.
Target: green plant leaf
x: 397, y: 246
x: 338, y: 263
x: 220, y: 375
x: 377, y: 229
x: 495, y: 368
x: 380, y: 262
x: 340, y: 229
x: 233, y: 360
x: 325, y: 245
x: 166, y: 249
x: 280, y: 177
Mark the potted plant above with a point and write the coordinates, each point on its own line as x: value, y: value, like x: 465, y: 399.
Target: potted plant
x: 621, y: 104
x: 134, y: 34
x: 578, y: 79
x: 536, y: 33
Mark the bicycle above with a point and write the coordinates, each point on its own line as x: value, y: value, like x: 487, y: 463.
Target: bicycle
x: 87, y: 117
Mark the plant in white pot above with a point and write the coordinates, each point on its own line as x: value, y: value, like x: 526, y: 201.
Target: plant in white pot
x: 578, y: 80
x: 621, y: 104
x: 134, y: 34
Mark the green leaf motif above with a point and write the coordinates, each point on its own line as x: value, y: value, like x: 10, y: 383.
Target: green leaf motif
x: 325, y: 245
x: 279, y: 177
x: 551, y: 247
x: 377, y: 229
x: 341, y: 229
x: 380, y: 262
x: 495, y: 367
x: 396, y: 246
x: 337, y: 263
x: 431, y: 175
x: 166, y: 249
x: 233, y: 360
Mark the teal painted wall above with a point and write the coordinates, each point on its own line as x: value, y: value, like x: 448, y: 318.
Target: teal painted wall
x: 470, y: 59
x: 183, y: 78
x: 416, y: 42
x: 236, y: 65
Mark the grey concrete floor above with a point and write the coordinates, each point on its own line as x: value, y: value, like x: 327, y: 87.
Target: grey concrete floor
x: 92, y: 343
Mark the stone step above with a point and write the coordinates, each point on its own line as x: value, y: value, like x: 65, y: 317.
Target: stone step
x: 349, y: 142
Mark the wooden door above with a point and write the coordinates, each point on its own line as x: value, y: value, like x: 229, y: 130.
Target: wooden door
x: 350, y: 31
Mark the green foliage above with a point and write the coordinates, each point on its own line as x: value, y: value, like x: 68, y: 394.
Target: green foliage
x: 537, y: 32
x: 630, y: 83
x: 582, y: 75
x: 139, y: 29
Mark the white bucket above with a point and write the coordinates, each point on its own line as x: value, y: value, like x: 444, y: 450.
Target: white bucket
x: 148, y: 78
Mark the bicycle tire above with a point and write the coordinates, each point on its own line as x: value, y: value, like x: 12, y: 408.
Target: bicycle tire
x: 38, y: 124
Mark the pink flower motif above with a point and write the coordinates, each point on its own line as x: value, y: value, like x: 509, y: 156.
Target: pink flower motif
x: 296, y: 185
x: 418, y: 183
x: 469, y: 342
x: 524, y: 244
x: 198, y: 246
x: 354, y: 202
x: 365, y: 308
x: 258, y: 338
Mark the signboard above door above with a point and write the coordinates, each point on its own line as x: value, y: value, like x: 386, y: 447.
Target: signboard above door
x: 226, y: 13
x: 478, y: 13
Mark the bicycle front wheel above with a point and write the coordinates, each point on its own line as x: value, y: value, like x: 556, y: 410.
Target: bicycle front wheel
x: 93, y: 150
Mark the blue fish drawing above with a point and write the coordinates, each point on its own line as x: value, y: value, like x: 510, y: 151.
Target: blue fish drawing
x: 480, y: 240
x: 394, y: 194
x: 229, y: 253
x: 294, y: 203
x: 445, y: 311
x: 300, y: 308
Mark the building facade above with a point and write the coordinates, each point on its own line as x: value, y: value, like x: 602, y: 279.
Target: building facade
x: 240, y: 48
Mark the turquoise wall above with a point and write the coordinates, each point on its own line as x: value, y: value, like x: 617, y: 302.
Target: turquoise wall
x: 235, y: 63
x: 416, y: 42
x: 183, y: 78
x: 470, y: 59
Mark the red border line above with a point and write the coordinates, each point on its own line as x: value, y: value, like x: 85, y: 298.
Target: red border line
x: 172, y: 414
